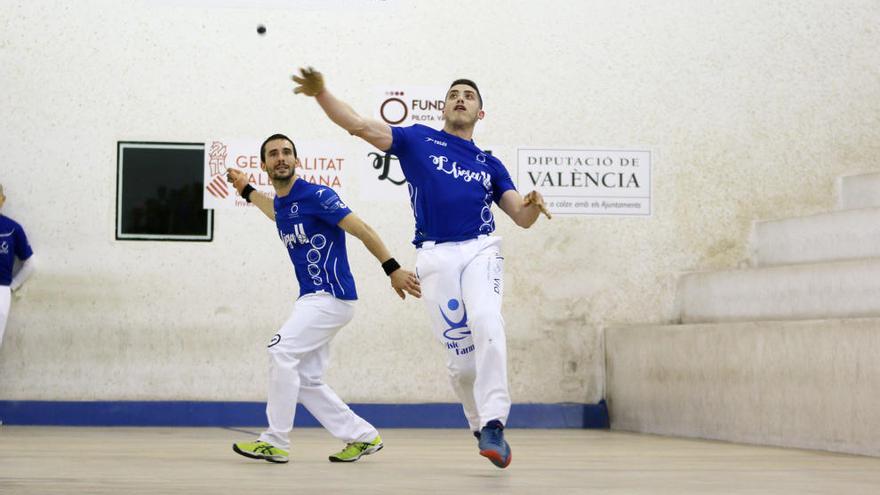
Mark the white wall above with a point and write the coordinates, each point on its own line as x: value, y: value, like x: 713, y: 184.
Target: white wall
x: 809, y: 384
x: 751, y: 108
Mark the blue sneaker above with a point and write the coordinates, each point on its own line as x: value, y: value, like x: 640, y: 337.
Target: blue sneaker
x: 493, y: 446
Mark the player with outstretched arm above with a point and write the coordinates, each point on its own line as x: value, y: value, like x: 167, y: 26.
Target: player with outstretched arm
x: 312, y: 222
x: 452, y: 185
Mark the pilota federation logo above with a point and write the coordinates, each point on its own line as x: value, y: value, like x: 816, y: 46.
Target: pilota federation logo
x: 393, y: 110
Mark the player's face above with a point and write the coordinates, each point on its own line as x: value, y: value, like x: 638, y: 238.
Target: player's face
x: 2, y: 199
x: 280, y: 163
x: 462, y: 106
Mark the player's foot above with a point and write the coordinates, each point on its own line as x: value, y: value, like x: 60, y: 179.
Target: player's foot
x: 261, y: 450
x: 493, y: 446
x: 356, y: 450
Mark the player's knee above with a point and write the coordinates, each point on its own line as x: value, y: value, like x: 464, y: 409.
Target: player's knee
x: 280, y: 357
x: 463, y: 373
x: 311, y: 380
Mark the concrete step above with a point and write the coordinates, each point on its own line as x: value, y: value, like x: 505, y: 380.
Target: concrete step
x: 803, y: 384
x: 844, y: 289
x: 858, y: 191
x: 839, y: 235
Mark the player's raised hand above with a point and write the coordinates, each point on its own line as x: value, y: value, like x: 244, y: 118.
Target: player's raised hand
x: 237, y: 178
x: 535, y: 198
x: 310, y: 82
x: 405, y: 281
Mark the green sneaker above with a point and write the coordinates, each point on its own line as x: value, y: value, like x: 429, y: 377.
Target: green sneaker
x: 356, y: 450
x: 261, y: 450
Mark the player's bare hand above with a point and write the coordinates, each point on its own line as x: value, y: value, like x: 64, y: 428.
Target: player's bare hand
x: 310, y: 82
x: 405, y: 281
x: 535, y: 198
x: 237, y: 178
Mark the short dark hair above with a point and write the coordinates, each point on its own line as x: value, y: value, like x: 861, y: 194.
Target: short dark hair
x: 272, y: 138
x: 468, y: 82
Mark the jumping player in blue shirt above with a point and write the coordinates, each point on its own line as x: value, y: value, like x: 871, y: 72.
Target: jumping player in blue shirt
x: 312, y: 222
x: 452, y: 185
x: 13, y: 244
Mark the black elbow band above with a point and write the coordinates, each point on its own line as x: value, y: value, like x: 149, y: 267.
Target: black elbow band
x: 390, y: 266
x: 246, y: 192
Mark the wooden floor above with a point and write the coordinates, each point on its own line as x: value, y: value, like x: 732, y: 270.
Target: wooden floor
x: 42, y: 460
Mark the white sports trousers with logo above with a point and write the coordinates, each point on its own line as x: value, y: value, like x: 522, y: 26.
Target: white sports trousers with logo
x: 462, y: 288
x: 299, y: 355
x: 5, y: 299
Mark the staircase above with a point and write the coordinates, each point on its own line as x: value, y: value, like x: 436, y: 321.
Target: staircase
x: 785, y: 352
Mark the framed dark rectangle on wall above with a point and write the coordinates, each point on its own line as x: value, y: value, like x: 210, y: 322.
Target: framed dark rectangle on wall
x: 159, y: 192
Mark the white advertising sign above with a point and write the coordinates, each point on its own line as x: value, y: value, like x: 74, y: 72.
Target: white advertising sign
x: 588, y: 181
x: 403, y: 105
x: 320, y: 163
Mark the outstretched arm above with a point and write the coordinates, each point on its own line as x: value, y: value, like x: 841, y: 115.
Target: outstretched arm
x: 311, y: 83
x: 401, y: 280
x: 523, y: 211
x: 24, y: 272
x: 260, y: 200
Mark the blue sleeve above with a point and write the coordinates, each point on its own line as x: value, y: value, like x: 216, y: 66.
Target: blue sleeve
x: 400, y: 139
x: 501, y: 181
x: 22, y: 248
x: 332, y: 210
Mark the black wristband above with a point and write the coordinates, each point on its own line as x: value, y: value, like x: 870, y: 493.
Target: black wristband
x: 390, y: 266
x: 246, y: 192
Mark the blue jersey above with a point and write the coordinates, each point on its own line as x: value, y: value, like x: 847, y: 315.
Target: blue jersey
x: 307, y: 220
x: 452, y: 183
x: 13, y: 243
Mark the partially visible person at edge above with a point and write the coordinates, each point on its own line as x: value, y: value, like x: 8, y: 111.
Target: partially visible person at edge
x: 13, y: 244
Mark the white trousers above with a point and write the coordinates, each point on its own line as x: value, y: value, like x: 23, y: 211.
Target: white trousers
x: 462, y: 287
x: 5, y: 299
x: 299, y: 354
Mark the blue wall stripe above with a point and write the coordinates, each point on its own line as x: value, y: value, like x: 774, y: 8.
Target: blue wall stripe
x: 225, y: 414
